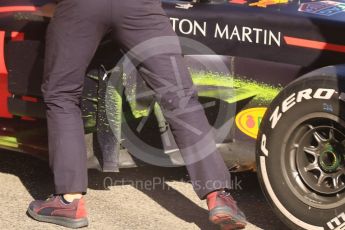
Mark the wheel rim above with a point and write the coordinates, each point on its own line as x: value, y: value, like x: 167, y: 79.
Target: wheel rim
x: 321, y: 164
x: 314, y: 163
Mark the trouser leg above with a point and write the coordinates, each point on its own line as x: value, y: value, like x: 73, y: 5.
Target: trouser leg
x: 72, y: 38
x: 162, y: 67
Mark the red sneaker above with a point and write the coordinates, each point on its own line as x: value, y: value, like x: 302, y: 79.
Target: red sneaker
x: 54, y: 210
x: 224, y: 211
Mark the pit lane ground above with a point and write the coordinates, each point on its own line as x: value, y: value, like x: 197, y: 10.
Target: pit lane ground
x: 141, y: 198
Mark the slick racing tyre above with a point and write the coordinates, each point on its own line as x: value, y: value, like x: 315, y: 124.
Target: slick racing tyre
x: 301, y: 153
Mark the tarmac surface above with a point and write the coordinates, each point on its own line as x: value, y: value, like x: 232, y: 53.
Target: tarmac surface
x: 140, y: 198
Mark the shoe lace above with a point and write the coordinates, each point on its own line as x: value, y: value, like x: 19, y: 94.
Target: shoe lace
x: 51, y: 196
x: 225, y: 193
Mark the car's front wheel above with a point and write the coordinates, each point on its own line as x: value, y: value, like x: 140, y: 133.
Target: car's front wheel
x: 301, y: 153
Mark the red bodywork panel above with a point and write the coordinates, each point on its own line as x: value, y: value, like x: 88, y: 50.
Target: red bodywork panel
x: 15, y: 36
x: 4, y: 94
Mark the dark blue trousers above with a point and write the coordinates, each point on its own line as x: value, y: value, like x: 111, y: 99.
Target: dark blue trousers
x: 73, y: 36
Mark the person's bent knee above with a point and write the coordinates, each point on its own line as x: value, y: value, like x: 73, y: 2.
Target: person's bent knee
x: 179, y: 99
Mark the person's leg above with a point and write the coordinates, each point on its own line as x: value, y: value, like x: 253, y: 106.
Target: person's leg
x: 166, y: 73
x: 144, y: 30
x: 72, y: 39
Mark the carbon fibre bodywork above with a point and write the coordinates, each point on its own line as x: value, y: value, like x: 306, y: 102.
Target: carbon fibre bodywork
x: 279, y: 42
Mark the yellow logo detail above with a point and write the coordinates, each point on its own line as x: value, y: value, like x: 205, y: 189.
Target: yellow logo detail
x: 249, y: 120
x: 265, y: 3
